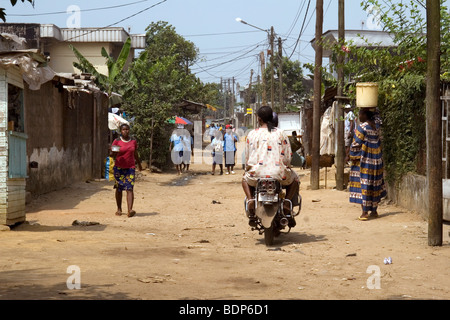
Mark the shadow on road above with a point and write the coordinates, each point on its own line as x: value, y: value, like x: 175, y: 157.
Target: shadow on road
x: 294, y: 237
x: 30, y: 285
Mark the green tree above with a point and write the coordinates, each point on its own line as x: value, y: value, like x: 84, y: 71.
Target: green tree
x: 293, y: 90
x: 155, y: 84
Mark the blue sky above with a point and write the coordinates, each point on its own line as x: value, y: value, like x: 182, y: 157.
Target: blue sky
x: 227, y: 48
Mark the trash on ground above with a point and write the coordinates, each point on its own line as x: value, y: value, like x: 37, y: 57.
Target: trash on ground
x: 84, y: 223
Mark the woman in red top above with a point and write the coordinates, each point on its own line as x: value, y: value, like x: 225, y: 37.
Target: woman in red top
x: 124, y: 168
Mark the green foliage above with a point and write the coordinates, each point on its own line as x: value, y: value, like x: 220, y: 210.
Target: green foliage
x: 400, y: 72
x: 155, y: 84
x: 402, y: 105
x: 13, y: 3
x: 293, y: 90
x: 110, y: 82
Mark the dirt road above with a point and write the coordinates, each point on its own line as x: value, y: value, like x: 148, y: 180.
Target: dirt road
x: 190, y: 240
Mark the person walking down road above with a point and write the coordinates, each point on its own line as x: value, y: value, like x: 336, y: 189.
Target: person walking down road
x: 217, y: 152
x: 212, y: 131
x: 229, y: 148
x: 188, y: 150
x: 366, y: 174
x: 176, y: 148
x: 124, y: 168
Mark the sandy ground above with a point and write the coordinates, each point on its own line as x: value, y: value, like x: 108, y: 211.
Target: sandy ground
x: 190, y: 240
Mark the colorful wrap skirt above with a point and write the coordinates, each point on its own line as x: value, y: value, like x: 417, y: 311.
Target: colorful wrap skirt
x: 366, y: 175
x: 125, y: 178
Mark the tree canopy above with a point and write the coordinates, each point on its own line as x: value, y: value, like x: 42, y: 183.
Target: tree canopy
x: 156, y: 83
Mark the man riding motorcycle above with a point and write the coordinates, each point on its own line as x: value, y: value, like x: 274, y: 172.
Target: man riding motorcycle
x: 268, y: 155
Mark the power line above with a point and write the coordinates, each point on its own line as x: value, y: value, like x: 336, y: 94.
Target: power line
x: 82, y: 10
x: 133, y: 15
x: 234, y: 52
x: 218, y: 34
x: 301, y: 30
x: 294, y: 23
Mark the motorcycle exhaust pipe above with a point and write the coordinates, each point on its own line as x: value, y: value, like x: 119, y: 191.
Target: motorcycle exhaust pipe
x: 284, y: 221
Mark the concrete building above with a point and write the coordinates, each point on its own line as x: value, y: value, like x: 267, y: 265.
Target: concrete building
x: 54, y: 42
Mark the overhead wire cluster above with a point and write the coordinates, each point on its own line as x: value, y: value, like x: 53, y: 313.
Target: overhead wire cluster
x: 221, y: 69
x: 218, y: 64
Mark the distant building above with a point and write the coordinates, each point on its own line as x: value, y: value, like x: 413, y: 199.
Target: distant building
x: 54, y: 42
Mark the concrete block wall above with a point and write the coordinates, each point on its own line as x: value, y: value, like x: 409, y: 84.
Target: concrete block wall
x: 411, y: 194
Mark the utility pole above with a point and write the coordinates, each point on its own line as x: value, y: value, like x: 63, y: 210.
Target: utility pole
x: 340, y: 152
x: 232, y: 101
x: 250, y: 97
x: 434, y: 125
x: 263, y: 69
x: 230, y: 112
x: 272, y: 36
x: 315, y: 153
x: 280, y: 72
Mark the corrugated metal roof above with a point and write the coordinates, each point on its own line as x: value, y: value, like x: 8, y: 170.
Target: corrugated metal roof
x: 138, y: 41
x: 111, y: 34
x: 95, y: 35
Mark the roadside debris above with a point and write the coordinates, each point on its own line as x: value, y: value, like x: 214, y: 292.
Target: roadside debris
x: 84, y: 223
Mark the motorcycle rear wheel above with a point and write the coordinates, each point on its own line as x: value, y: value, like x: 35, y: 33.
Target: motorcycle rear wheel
x: 269, y: 234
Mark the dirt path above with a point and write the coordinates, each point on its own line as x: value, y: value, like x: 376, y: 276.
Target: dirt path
x: 190, y: 240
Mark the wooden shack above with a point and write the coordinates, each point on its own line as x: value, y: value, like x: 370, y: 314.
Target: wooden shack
x: 13, y: 156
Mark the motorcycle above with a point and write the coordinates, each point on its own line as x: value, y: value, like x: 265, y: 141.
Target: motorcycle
x: 269, y: 199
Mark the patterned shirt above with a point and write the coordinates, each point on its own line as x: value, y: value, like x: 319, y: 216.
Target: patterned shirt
x: 268, y: 154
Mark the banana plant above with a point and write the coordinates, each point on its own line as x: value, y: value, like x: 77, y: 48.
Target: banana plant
x: 115, y: 67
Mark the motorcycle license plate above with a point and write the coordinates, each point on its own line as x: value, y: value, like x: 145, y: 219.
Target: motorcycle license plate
x: 264, y: 197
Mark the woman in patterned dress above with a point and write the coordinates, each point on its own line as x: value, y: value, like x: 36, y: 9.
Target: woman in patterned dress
x: 124, y: 168
x: 366, y: 176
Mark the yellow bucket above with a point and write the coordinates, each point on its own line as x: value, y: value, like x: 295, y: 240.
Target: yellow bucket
x: 367, y: 95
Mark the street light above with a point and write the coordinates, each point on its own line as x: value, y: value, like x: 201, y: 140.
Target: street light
x: 245, y: 22
x: 271, y: 37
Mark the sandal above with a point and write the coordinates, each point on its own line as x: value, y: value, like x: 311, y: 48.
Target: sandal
x: 362, y: 218
x: 131, y: 213
x: 118, y: 213
x: 373, y: 215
